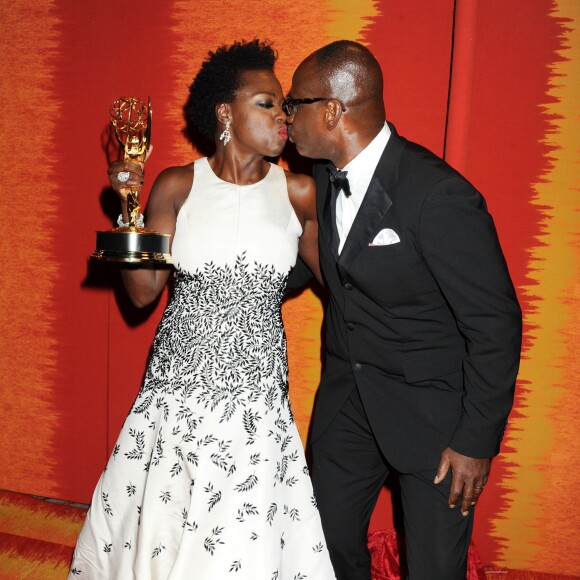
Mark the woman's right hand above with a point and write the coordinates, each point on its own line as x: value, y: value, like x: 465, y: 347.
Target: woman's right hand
x: 135, y: 181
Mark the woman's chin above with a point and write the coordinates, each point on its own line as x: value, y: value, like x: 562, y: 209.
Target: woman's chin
x: 275, y: 151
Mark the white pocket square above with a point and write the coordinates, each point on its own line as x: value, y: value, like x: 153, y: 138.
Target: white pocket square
x: 385, y: 237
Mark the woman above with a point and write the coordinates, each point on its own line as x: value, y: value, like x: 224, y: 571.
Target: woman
x: 208, y: 478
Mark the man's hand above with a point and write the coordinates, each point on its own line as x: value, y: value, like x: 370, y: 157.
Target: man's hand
x: 468, y: 477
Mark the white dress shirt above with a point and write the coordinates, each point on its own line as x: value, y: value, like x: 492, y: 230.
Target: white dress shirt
x: 360, y: 172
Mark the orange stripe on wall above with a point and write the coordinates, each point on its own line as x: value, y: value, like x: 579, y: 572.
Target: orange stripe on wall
x: 349, y: 20
x: 27, y: 205
x: 542, y: 522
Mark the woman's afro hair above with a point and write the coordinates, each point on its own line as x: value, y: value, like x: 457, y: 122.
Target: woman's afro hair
x: 219, y: 78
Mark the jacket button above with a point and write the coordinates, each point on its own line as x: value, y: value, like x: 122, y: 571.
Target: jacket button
x: 350, y: 326
x: 348, y: 286
x: 357, y: 367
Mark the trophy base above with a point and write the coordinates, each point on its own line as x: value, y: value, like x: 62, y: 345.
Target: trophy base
x: 132, y: 246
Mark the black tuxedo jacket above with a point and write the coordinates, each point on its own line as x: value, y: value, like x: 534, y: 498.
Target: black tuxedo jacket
x: 429, y: 328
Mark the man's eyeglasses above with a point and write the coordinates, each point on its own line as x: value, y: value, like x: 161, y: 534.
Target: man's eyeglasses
x: 290, y: 106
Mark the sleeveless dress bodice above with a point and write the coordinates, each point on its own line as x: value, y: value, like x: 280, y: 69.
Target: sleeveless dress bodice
x: 220, y: 222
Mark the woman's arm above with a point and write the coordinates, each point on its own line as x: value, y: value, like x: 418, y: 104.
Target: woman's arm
x: 302, y: 194
x: 169, y: 192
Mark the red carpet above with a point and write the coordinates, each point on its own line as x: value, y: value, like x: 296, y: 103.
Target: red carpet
x: 37, y: 538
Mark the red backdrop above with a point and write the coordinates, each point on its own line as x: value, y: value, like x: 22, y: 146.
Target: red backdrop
x: 490, y: 84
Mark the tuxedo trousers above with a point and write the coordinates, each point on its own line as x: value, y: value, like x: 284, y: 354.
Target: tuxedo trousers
x: 348, y: 472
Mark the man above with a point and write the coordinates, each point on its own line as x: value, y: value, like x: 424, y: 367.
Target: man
x: 423, y: 325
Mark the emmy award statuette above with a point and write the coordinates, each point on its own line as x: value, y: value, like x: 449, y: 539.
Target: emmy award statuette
x: 132, y: 243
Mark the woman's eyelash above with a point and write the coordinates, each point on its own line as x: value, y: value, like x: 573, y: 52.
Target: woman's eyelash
x: 266, y: 104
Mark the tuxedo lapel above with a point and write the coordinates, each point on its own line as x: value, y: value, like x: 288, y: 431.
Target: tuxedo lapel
x: 375, y: 204
x: 329, y: 220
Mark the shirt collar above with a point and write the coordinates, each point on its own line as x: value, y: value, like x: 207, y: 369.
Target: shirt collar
x: 362, y: 167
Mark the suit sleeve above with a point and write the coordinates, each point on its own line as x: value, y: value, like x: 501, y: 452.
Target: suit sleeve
x: 459, y: 243
x: 299, y: 276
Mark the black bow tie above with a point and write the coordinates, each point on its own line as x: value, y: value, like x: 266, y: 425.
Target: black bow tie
x: 339, y: 180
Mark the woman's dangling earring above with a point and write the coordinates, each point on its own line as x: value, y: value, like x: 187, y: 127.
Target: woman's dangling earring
x: 226, y: 135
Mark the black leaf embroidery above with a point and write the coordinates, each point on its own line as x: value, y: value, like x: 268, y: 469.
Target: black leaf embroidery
x: 248, y: 484
x: 214, y: 497
x: 285, y: 442
x: 137, y: 451
x: 293, y: 513
x: 106, y: 506
x: 247, y: 509
x: 211, y: 542
x: 271, y: 513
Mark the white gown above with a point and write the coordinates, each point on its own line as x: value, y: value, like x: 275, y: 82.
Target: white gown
x: 208, y: 479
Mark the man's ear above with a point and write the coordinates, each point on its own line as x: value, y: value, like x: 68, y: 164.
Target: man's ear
x: 223, y: 113
x: 333, y: 114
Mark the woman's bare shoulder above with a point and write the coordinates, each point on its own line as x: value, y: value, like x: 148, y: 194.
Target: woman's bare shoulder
x: 171, y: 187
x: 174, y: 182
x: 302, y: 195
x: 299, y: 182
x: 176, y: 177
x: 301, y: 188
